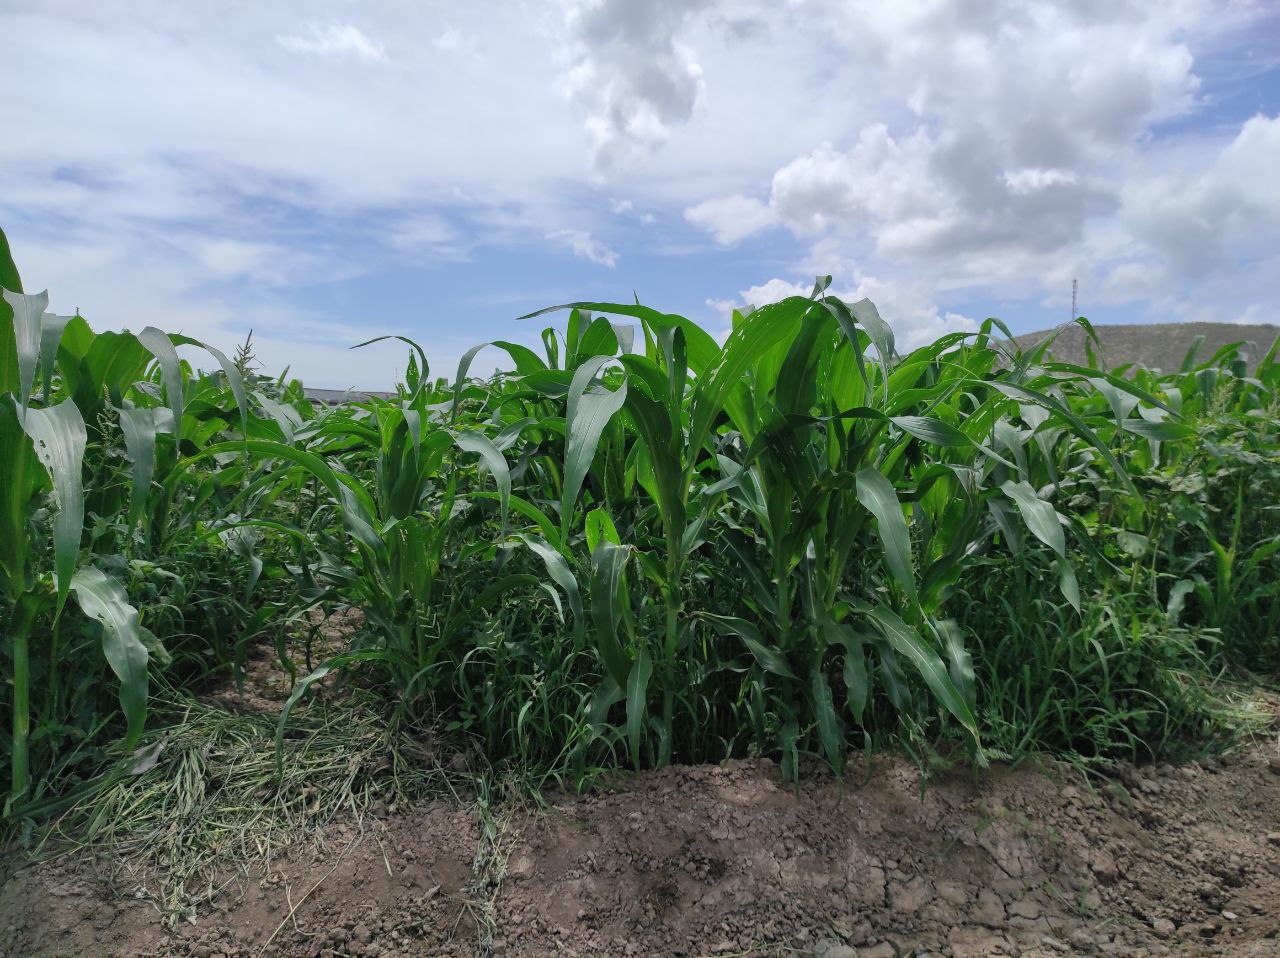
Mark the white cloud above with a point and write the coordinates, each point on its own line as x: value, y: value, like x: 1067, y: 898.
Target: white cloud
x: 956, y: 151
x: 1200, y: 220
x: 228, y: 259
x: 451, y: 39
x: 585, y: 246
x: 732, y: 218
x: 629, y: 75
x: 1031, y: 179
x: 335, y: 41
x: 906, y: 306
x: 1016, y: 147
x: 773, y: 291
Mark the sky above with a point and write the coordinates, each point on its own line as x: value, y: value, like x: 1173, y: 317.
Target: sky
x: 329, y: 171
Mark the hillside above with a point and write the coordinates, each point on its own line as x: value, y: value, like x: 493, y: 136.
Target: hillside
x: 1159, y: 346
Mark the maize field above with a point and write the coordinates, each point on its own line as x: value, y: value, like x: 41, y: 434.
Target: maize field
x: 639, y: 545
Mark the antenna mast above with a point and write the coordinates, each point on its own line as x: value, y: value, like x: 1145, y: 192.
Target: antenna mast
x: 1073, y: 301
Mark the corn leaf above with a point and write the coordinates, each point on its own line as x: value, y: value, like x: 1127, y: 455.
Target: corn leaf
x: 59, y: 437
x: 126, y: 643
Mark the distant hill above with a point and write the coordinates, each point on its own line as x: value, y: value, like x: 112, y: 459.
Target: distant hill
x: 1160, y: 346
x: 336, y: 397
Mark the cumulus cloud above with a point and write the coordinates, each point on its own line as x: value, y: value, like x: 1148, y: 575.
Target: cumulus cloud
x: 585, y: 246
x: 1200, y: 220
x: 630, y: 76
x: 336, y: 41
x: 1016, y: 147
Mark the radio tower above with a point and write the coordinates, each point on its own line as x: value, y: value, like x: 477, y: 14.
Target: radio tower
x: 1073, y: 301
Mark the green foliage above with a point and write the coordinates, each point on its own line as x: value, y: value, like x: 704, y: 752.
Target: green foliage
x: 642, y: 546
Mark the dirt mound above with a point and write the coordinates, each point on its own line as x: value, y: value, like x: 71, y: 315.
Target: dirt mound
x: 729, y: 860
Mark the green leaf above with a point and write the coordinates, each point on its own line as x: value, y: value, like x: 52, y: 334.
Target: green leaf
x: 830, y: 728
x: 589, y: 411
x: 9, y: 278
x: 21, y: 476
x: 878, y: 496
x: 637, y: 689
x: 607, y: 562
x: 161, y: 346
x: 935, y: 431
x: 140, y: 425
x: 59, y: 437
x: 909, y: 644
x: 600, y: 528
x: 760, y: 332
x: 1040, y: 516
x: 28, y: 313
x: 126, y: 644
x: 482, y: 445
x: 769, y: 658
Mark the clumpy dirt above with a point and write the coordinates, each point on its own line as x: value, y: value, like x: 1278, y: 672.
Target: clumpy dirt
x: 397, y: 887
x: 730, y: 860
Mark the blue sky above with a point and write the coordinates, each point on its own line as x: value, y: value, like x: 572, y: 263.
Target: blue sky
x: 328, y: 171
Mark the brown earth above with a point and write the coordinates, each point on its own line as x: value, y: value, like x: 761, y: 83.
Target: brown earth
x: 729, y: 860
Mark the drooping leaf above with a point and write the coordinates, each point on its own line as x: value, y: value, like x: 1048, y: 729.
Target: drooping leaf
x: 830, y: 728
x: 1040, y: 516
x: 50, y: 337
x: 769, y: 658
x: 877, y: 494
x: 126, y: 643
x: 140, y: 426
x: 908, y: 643
x: 472, y: 441
x: 28, y: 313
x: 59, y: 437
x: 560, y: 573
x: 161, y: 346
x: 589, y: 411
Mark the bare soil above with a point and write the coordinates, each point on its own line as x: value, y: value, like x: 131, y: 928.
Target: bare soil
x: 730, y: 860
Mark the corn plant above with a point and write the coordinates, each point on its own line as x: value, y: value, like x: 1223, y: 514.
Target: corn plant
x: 67, y: 399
